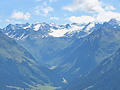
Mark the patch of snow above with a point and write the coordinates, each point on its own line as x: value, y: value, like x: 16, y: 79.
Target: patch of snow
x: 7, y: 34
x: 89, y: 87
x: 27, y: 27
x: 21, y: 36
x: 64, y: 80
x: 52, y: 24
x: 13, y: 28
x: 25, y: 37
x: 57, y: 33
x: 61, y: 32
x: 36, y: 27
x: 12, y: 36
x: 89, y: 27
x: 52, y: 67
x: 14, y: 87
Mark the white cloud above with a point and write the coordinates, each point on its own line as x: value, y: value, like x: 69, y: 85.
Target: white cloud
x: 100, y: 18
x: 54, y: 18
x: 85, y: 5
x: 109, y: 8
x: 13, y: 21
x: 47, y: 10
x: 106, y: 16
x: 81, y: 19
x: 102, y: 12
x: 20, y: 15
x: 43, y: 10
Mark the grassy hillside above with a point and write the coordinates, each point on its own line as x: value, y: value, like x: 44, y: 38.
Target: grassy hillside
x: 17, y: 66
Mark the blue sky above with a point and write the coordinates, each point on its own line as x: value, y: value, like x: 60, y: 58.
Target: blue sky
x: 58, y: 11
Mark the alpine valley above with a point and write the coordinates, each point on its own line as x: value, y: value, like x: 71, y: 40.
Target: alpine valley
x: 47, y: 56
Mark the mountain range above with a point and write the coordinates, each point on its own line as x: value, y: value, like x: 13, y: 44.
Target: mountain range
x: 42, y: 30
x: 61, y: 55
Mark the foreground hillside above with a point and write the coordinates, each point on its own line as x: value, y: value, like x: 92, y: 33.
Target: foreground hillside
x: 105, y: 76
x: 18, y: 68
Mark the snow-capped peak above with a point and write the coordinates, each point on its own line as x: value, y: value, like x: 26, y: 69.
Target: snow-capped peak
x: 26, y: 27
x: 52, y: 24
x: 73, y: 28
x: 36, y: 27
x: 22, y: 31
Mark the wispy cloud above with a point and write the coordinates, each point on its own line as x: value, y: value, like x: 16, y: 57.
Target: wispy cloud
x: 109, y: 8
x: 100, y: 17
x: 100, y: 12
x: 85, y: 5
x: 43, y: 9
x: 106, y: 16
x: 81, y: 19
x: 20, y: 15
x: 13, y: 21
x: 54, y: 18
